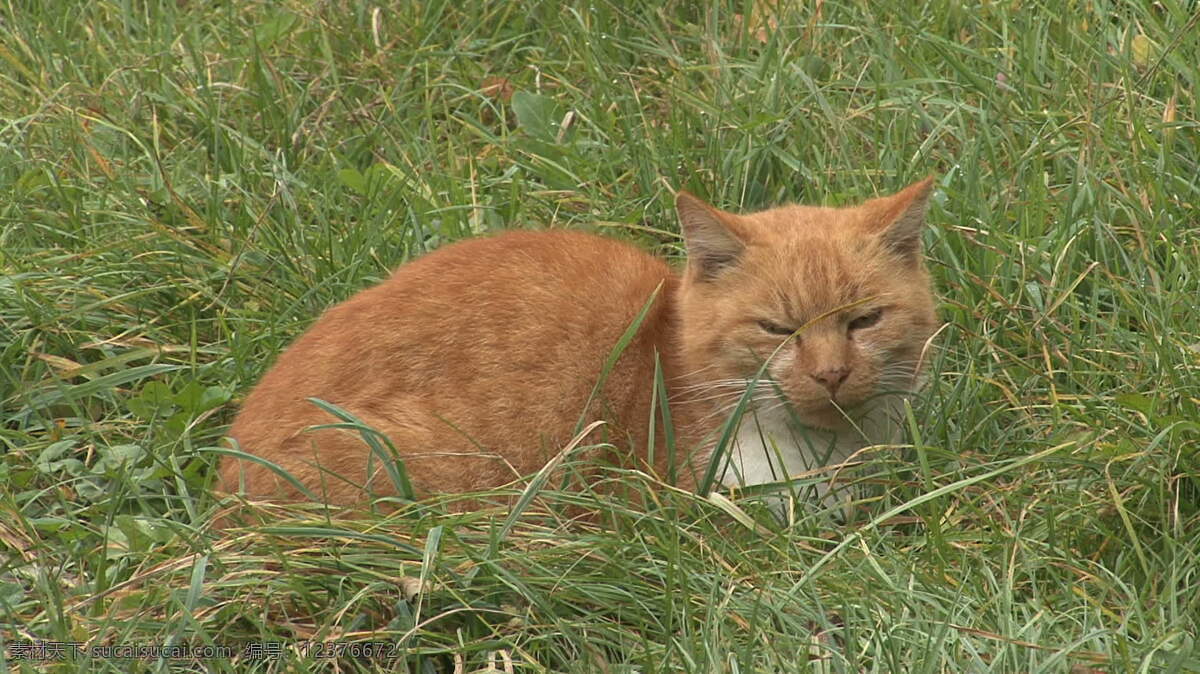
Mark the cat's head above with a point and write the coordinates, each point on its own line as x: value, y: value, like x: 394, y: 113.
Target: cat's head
x: 837, y: 301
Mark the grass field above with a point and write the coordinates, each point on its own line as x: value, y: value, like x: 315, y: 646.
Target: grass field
x: 185, y: 185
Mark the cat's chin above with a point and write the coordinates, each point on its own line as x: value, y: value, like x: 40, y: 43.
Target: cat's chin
x: 828, y: 417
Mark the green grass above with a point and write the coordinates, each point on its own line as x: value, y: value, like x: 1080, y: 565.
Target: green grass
x: 184, y: 186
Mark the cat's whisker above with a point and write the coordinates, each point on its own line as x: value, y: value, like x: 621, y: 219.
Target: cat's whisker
x: 721, y: 411
x: 721, y: 389
x: 908, y: 364
x: 709, y: 383
x: 897, y: 374
x: 752, y: 406
x: 898, y: 377
x: 779, y: 404
x: 741, y: 384
x: 693, y: 373
x: 905, y: 371
x: 705, y: 396
x: 904, y: 381
x: 740, y: 381
x: 729, y: 395
x: 907, y: 368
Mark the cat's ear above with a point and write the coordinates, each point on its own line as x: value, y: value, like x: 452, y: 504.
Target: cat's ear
x: 899, y: 219
x: 712, y: 243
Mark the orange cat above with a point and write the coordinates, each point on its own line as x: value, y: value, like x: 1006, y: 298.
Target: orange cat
x: 477, y: 360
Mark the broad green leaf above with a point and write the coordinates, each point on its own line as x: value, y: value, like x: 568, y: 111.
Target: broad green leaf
x: 273, y: 29
x: 537, y: 115
x: 214, y: 396
x: 188, y: 398
x: 157, y: 394
x: 1136, y: 402
x: 112, y: 458
x: 353, y: 179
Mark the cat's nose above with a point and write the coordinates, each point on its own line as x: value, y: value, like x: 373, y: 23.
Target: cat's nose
x: 831, y: 378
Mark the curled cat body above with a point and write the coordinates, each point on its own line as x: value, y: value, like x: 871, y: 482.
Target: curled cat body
x: 479, y: 360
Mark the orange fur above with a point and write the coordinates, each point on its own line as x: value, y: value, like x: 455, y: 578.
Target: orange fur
x: 477, y: 360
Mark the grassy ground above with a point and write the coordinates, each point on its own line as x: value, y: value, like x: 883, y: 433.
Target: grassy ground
x: 184, y: 186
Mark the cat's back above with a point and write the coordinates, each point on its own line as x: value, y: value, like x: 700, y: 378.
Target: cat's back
x: 547, y: 265
x: 553, y: 283
x: 521, y: 296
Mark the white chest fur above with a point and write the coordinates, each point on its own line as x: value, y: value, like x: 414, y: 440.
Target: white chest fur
x: 772, y: 447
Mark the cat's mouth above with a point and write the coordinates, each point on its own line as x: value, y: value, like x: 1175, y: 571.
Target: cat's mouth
x: 827, y: 416
x: 829, y: 413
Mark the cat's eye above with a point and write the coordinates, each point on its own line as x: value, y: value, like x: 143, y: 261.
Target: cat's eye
x: 775, y: 328
x: 866, y: 320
